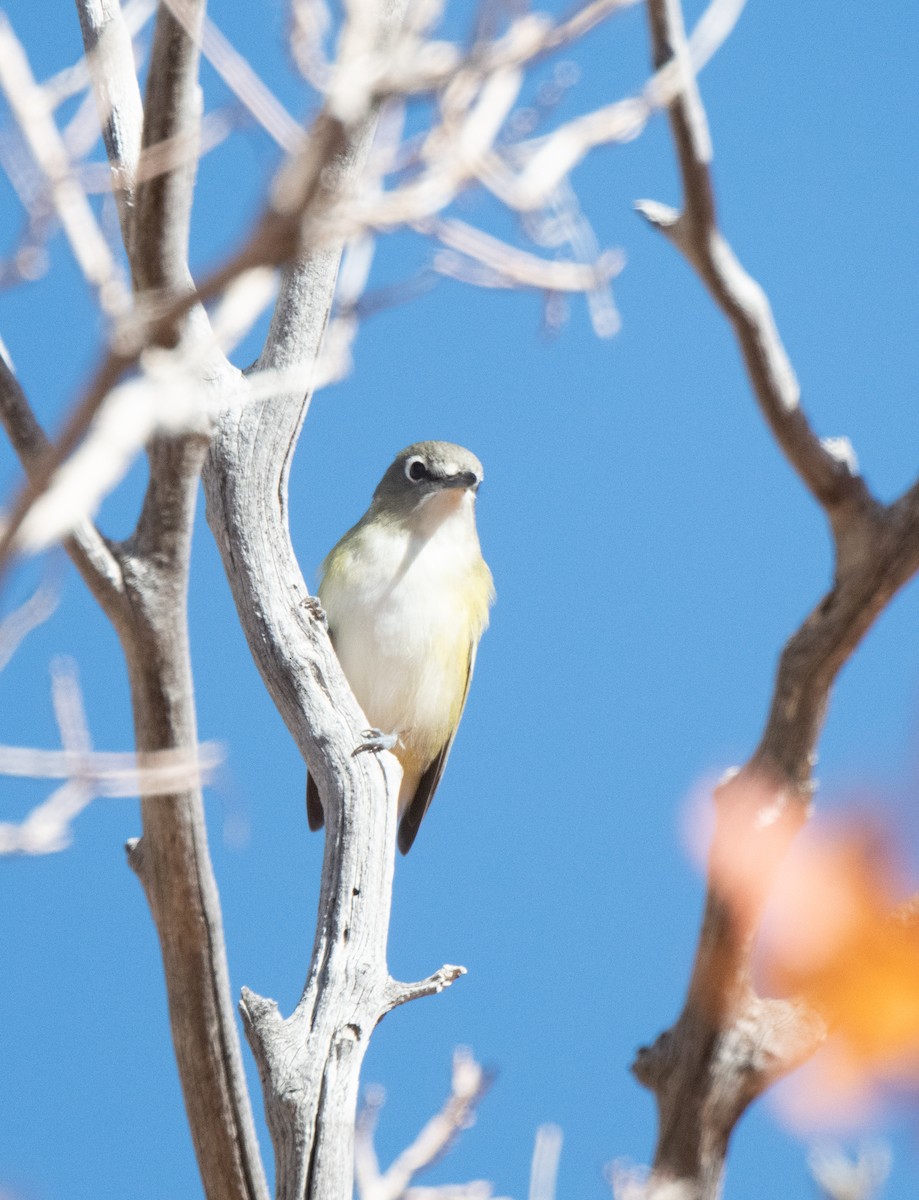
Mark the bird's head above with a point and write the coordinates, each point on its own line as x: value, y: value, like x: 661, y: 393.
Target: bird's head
x: 428, y: 478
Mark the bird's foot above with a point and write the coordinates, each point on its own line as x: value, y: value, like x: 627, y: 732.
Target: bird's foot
x: 316, y: 611
x: 374, y: 740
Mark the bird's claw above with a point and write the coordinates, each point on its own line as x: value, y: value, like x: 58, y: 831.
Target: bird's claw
x: 316, y: 611
x: 374, y: 740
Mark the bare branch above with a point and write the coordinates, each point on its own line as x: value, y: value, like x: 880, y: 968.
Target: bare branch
x: 310, y: 22
x: 44, y: 462
x: 88, y: 773
x: 544, y: 1168
x: 110, y: 59
x: 309, y: 1064
x: 47, y: 828
x: 469, y: 1083
x: 17, y: 625
x: 117, y: 774
x: 516, y: 267
x: 728, y: 1044
x: 250, y: 89
x: 401, y: 993
x: 72, y: 80
x: 828, y: 475
x: 158, y: 249
x: 174, y: 394
x: 172, y: 858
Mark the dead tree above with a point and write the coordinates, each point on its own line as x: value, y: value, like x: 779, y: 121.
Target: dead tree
x: 729, y: 1044
x: 164, y: 383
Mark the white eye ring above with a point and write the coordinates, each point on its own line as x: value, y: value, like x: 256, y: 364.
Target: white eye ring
x: 415, y: 470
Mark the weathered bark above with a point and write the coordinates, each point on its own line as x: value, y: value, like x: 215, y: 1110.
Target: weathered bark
x: 310, y: 1063
x: 172, y: 858
x: 729, y: 1044
x: 142, y: 585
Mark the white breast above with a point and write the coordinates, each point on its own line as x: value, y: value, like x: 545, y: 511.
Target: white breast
x: 398, y: 608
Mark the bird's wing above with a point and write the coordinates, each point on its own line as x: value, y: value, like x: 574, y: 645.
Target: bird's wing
x: 314, y: 815
x: 427, y: 785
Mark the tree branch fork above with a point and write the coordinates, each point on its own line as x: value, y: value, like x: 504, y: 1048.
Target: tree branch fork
x: 729, y: 1044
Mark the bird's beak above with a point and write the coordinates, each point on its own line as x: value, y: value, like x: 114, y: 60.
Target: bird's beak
x: 464, y: 479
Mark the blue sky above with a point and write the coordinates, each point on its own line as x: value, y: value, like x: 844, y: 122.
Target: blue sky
x: 651, y: 552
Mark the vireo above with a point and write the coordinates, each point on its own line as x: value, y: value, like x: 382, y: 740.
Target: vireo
x: 407, y: 593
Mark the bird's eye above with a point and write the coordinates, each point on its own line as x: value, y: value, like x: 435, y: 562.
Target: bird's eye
x: 416, y: 470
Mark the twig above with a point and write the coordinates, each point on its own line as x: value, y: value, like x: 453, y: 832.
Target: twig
x: 547, y: 1152
x: 90, y: 553
x: 518, y: 268
x: 116, y: 774
x: 829, y: 475
x: 109, y: 59
x: 88, y: 773
x: 174, y: 394
x: 469, y: 1083
x: 841, y: 1178
x: 240, y: 78
x: 17, y: 625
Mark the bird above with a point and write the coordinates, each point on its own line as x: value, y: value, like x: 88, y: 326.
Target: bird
x: 406, y: 594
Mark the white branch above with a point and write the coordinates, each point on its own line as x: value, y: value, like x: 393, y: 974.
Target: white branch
x: 17, y: 626
x: 842, y: 1178
x: 544, y: 1168
x: 116, y: 774
x: 469, y: 1082
x: 520, y: 268
x: 468, y: 1086
x: 240, y: 78
x: 108, y: 33
x: 88, y: 773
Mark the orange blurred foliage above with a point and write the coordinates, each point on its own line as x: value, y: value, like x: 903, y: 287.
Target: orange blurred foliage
x: 837, y: 935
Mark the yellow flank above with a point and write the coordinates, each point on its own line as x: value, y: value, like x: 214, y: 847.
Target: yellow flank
x: 407, y: 593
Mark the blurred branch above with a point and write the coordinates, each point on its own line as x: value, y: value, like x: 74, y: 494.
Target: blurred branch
x: 313, y: 205
x: 17, y: 625
x: 29, y: 106
x: 176, y: 393
x: 728, y: 1044
x: 547, y: 1152
x: 243, y: 82
x: 842, y: 1178
x: 115, y: 774
x: 88, y: 773
x: 89, y: 551
x: 517, y: 268
x: 469, y: 1083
